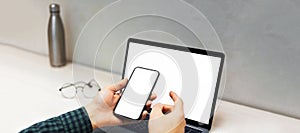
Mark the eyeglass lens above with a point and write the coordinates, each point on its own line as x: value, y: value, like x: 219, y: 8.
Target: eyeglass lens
x: 91, y: 89
x: 69, y: 91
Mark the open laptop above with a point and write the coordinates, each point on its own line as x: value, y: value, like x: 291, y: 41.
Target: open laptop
x: 192, y: 73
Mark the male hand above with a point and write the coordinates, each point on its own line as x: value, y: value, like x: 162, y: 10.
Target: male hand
x: 100, y: 109
x: 167, y: 118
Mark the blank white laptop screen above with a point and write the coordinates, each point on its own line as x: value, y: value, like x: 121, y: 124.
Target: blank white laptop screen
x: 191, y: 75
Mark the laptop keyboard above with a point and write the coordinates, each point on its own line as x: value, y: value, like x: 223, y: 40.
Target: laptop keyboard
x: 141, y: 126
x: 191, y: 130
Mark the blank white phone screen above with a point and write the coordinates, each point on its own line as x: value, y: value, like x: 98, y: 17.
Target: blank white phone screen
x: 136, y: 93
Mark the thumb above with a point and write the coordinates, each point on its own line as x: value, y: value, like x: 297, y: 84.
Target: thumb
x: 116, y: 87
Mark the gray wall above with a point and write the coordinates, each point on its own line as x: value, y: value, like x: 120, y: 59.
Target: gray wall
x: 260, y: 38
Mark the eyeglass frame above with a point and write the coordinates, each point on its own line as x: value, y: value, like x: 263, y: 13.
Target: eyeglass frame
x: 65, y: 86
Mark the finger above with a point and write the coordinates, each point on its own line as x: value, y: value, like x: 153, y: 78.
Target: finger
x: 148, y: 105
x: 158, y: 107
x: 116, y: 98
x: 156, y: 111
x: 149, y: 102
x: 144, y: 115
x: 120, y: 85
x: 174, y: 96
x: 153, y: 96
x: 177, y: 100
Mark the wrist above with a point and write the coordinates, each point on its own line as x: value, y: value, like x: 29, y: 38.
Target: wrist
x: 91, y: 114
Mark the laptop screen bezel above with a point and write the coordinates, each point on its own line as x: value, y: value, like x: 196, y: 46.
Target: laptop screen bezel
x: 191, y: 50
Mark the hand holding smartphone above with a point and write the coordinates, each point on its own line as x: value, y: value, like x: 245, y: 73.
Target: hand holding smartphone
x: 136, y: 93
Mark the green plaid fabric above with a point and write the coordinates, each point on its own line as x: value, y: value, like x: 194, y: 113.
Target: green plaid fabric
x: 76, y: 121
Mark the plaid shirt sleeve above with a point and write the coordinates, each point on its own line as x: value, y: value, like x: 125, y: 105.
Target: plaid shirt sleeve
x: 76, y: 121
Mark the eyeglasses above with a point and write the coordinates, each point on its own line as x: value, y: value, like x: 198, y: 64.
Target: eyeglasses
x: 89, y: 90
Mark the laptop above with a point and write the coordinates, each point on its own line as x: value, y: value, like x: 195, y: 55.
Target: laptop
x: 194, y: 74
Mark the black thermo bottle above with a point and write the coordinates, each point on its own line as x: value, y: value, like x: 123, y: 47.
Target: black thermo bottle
x: 56, y: 38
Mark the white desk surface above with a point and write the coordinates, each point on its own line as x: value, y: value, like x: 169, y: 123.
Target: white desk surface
x: 29, y: 94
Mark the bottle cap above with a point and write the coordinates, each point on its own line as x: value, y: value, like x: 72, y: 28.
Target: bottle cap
x: 54, y: 8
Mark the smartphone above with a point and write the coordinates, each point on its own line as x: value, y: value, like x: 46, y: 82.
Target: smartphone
x: 136, y: 93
